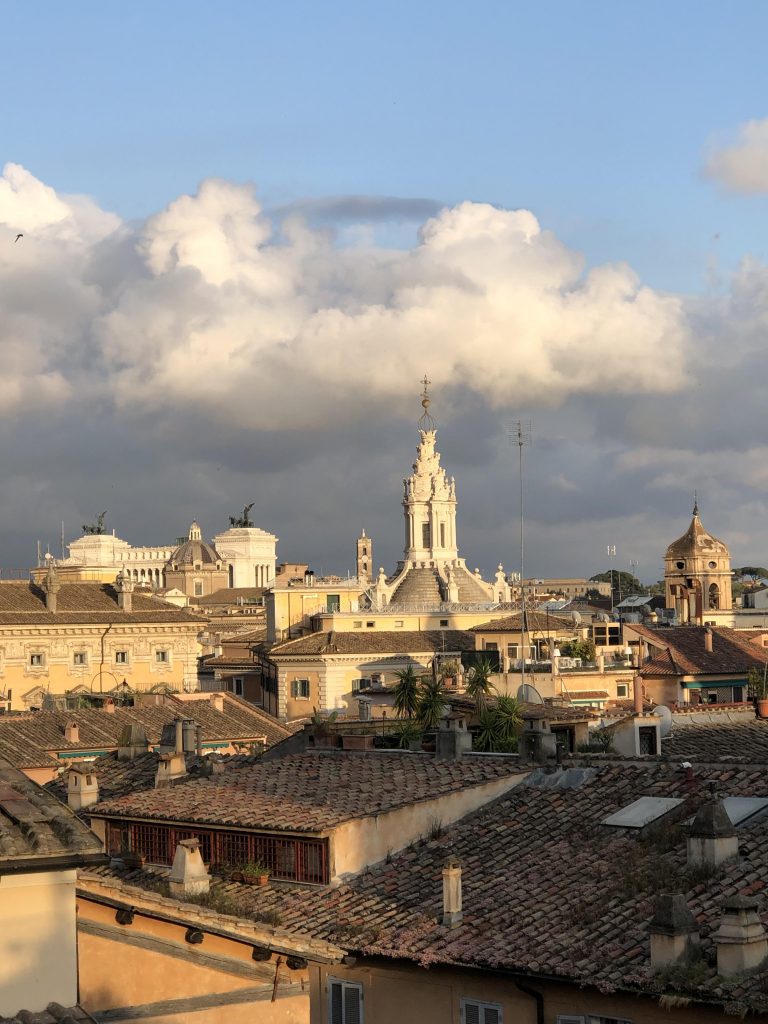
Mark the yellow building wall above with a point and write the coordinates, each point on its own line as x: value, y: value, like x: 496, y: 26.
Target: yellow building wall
x: 414, y: 995
x: 58, y: 644
x: 291, y: 608
x: 299, y: 707
x: 38, y: 950
x: 149, y: 962
x: 386, y: 621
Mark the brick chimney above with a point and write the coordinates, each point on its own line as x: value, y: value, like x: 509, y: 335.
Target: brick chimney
x: 217, y: 702
x: 188, y: 875
x: 708, y: 640
x: 741, y: 942
x: 124, y: 586
x: 72, y: 732
x: 674, y: 932
x: 637, y: 694
x: 452, y: 892
x: 51, y: 588
x: 712, y: 839
x: 82, y: 788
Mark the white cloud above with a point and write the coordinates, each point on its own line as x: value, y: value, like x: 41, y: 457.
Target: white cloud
x: 743, y: 166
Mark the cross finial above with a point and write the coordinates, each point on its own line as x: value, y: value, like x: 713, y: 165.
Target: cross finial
x: 695, y: 504
x: 426, y: 422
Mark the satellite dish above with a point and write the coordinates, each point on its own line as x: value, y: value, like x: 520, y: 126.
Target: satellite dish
x: 576, y: 618
x: 665, y: 715
x: 529, y: 694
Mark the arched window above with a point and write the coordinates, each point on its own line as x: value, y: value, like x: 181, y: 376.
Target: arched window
x: 714, y: 596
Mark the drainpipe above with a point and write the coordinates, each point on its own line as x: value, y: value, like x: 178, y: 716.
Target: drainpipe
x: 101, y: 663
x: 534, y: 994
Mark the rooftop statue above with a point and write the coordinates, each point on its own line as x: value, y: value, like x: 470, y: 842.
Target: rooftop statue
x: 97, y: 527
x: 244, y: 521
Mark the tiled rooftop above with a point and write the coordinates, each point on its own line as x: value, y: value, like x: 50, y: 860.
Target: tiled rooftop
x: 401, y: 641
x: 547, y: 889
x: 23, y: 602
x: 54, y: 1014
x: 725, y: 736
x: 309, y: 792
x: 28, y: 740
x: 536, y: 621
x: 35, y: 827
x: 680, y: 651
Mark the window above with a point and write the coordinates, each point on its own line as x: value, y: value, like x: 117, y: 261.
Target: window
x: 80, y: 658
x: 370, y: 625
x: 121, y: 657
x: 399, y: 623
x: 333, y: 602
x: 37, y: 660
x: 198, y: 588
x: 356, y: 685
x: 426, y: 536
x: 161, y: 657
x: 345, y: 1002
x: 475, y: 1012
x: 237, y: 686
x: 442, y: 535
x: 357, y: 624
x: 300, y: 689
x: 443, y: 622
x: 622, y: 690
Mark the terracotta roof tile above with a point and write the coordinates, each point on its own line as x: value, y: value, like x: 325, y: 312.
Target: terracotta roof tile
x: 82, y: 602
x: 401, y: 641
x: 309, y: 792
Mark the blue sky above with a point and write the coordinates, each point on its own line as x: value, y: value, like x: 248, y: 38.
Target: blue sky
x: 599, y: 118
x: 593, y: 115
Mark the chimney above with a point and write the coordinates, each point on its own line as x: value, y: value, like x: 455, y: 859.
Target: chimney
x: 132, y: 742
x: 217, y: 702
x: 741, y: 941
x: 170, y: 768
x: 124, y: 587
x: 712, y: 839
x: 82, y: 788
x: 674, y: 932
x: 72, y: 732
x: 452, y: 892
x: 109, y: 706
x: 637, y: 694
x: 178, y: 735
x: 188, y: 875
x: 708, y: 640
x: 453, y: 737
x: 51, y: 588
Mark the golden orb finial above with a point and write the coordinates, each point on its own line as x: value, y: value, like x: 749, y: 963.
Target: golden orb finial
x: 426, y: 422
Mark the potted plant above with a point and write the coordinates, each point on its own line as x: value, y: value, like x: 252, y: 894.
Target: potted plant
x: 254, y: 873
x: 449, y: 673
x: 758, y: 690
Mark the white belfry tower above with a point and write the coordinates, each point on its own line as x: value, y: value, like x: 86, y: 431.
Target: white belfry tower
x: 429, y: 501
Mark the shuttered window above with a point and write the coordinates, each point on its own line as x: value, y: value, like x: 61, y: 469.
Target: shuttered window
x: 475, y: 1012
x: 345, y: 1002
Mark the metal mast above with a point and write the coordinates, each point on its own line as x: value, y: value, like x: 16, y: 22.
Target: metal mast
x: 522, y: 437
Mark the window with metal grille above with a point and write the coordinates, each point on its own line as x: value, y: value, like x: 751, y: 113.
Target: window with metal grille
x: 289, y: 858
x: 345, y: 1002
x: 475, y: 1012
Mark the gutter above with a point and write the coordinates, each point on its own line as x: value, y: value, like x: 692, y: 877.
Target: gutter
x: 535, y: 994
x: 33, y: 865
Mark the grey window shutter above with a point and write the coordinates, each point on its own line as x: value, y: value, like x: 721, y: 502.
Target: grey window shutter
x: 352, y: 1010
x: 491, y: 1015
x: 336, y: 1004
x: 472, y: 1013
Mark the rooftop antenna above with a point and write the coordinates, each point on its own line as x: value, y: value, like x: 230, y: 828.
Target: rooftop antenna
x: 521, y: 436
x: 62, y: 540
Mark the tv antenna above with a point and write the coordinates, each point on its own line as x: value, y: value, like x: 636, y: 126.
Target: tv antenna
x: 521, y: 436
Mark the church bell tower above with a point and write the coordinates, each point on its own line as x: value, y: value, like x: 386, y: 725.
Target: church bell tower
x: 364, y: 558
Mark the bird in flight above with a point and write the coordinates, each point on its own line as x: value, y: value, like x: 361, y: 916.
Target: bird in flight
x: 17, y: 238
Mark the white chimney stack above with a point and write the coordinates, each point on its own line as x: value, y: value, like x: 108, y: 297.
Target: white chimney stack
x: 82, y: 788
x: 452, y: 913
x: 674, y: 932
x: 712, y: 839
x: 741, y: 942
x: 188, y: 875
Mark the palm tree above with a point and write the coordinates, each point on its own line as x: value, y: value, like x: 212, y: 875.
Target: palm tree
x: 406, y: 692
x: 478, y: 684
x: 431, y: 704
x: 499, y: 724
